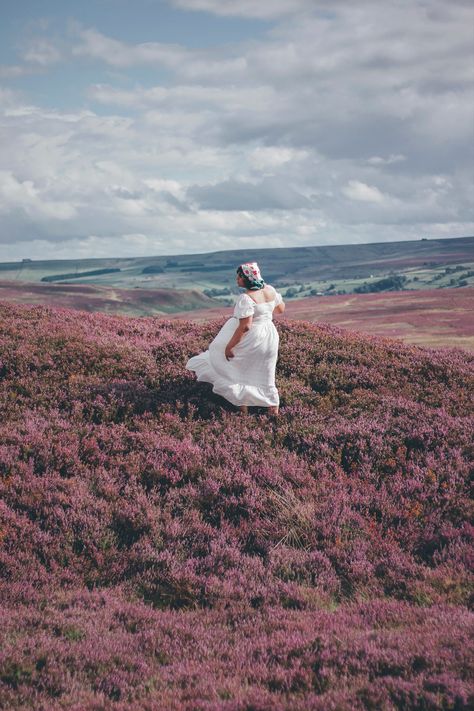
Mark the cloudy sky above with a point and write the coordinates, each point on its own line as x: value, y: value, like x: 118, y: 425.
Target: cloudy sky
x: 173, y: 126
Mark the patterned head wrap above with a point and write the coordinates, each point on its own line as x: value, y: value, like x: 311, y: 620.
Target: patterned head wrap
x: 251, y: 272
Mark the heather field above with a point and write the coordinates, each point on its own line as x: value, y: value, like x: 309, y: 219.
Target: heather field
x: 161, y: 552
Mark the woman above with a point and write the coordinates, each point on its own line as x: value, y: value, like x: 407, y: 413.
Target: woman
x: 241, y: 360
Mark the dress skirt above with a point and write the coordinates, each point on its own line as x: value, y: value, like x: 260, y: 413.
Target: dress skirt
x: 249, y: 377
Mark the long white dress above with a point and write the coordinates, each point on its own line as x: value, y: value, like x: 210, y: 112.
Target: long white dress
x: 249, y: 377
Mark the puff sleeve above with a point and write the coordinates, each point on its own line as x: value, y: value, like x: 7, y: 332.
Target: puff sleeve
x: 244, y: 306
x: 278, y: 298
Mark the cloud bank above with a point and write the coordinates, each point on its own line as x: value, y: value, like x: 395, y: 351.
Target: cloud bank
x: 335, y: 122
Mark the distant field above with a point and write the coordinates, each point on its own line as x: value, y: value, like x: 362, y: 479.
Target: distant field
x: 435, y: 318
x: 91, y: 297
x: 319, y: 269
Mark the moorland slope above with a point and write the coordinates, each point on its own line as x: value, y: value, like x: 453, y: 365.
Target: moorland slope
x: 92, y: 297
x: 160, y: 551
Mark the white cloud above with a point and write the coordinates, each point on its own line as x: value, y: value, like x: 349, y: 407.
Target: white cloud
x: 42, y: 52
x: 186, y: 96
x: 169, y: 187
x: 355, y: 190
x: 268, y: 158
x: 379, y: 160
x: 267, y: 194
x: 263, y: 9
x: 95, y: 45
x: 196, y: 65
x: 28, y: 197
x: 342, y: 121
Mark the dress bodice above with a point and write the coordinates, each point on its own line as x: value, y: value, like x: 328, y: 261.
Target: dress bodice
x: 264, y: 311
x: 246, y: 306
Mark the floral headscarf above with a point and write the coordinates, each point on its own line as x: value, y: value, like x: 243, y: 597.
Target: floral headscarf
x: 251, y: 271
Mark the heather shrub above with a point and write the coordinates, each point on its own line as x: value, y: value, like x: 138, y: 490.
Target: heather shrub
x: 158, y: 551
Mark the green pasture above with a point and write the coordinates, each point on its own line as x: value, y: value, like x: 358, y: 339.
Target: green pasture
x: 446, y: 263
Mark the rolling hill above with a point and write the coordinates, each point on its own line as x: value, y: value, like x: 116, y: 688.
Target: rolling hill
x: 344, y: 266
x: 91, y: 297
x: 160, y: 552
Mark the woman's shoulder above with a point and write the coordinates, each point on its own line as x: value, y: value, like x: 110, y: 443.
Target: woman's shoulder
x: 243, y: 298
x: 270, y: 291
x: 276, y: 296
x: 244, y: 306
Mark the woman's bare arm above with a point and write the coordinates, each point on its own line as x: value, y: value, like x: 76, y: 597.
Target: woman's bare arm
x: 244, y: 326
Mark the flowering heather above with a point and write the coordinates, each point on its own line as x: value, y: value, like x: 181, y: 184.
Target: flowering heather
x: 158, y: 551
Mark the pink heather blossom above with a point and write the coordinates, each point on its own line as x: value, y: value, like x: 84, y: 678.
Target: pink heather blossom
x: 160, y: 552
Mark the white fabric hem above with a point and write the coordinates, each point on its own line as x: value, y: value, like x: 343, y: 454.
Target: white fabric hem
x: 236, y: 394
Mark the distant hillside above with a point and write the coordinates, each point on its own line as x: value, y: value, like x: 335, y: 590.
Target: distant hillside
x: 79, y: 275
x: 89, y: 297
x: 308, y: 269
x: 161, y: 552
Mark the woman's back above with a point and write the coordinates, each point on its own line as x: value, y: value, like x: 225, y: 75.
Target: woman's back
x: 263, y: 296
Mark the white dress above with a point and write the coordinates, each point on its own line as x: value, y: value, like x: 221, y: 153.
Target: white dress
x: 249, y: 377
